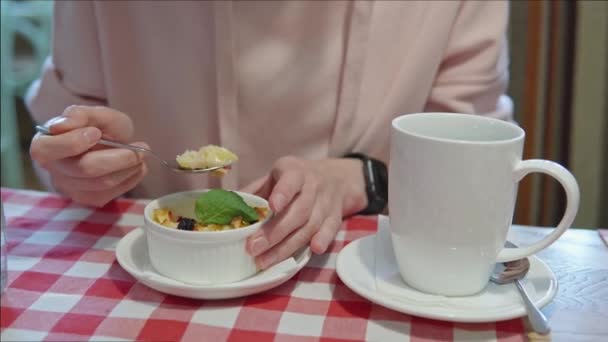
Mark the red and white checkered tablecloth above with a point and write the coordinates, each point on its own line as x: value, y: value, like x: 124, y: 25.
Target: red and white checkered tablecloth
x: 64, y: 284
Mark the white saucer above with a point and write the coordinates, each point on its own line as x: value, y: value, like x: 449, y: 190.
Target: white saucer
x: 132, y: 255
x: 356, y: 268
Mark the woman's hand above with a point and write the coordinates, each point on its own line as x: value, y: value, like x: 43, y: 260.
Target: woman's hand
x: 309, y: 200
x: 90, y: 176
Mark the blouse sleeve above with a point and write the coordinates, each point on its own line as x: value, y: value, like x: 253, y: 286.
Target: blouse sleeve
x: 73, y: 74
x: 473, y: 75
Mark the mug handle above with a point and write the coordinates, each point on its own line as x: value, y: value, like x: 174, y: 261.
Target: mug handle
x: 568, y: 182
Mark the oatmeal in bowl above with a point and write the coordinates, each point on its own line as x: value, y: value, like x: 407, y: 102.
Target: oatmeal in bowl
x: 215, y: 210
x: 198, y: 237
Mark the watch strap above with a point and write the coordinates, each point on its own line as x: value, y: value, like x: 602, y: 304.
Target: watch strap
x: 376, y: 183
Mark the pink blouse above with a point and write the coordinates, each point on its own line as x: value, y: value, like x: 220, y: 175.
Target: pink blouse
x: 267, y: 79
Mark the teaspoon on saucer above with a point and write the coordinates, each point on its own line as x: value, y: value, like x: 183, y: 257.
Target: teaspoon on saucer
x: 513, y: 271
x: 171, y: 164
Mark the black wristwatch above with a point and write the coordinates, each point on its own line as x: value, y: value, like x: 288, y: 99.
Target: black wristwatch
x: 376, y: 183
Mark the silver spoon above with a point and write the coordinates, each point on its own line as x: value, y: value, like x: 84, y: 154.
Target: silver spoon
x: 512, y: 271
x: 171, y: 164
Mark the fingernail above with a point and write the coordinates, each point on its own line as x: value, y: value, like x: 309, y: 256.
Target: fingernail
x: 320, y: 247
x: 278, y: 202
x: 259, y: 245
x: 267, y: 260
x: 56, y: 121
x: 91, y: 134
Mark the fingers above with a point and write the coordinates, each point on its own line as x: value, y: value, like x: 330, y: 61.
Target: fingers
x: 98, y: 184
x: 288, y: 180
x: 96, y: 177
x: 98, y: 163
x: 89, y: 174
x: 101, y: 198
x: 320, y: 238
x: 45, y: 149
x: 285, y: 249
x: 114, y: 124
x: 319, y: 232
x: 281, y: 225
x: 285, y: 189
x: 326, y: 233
x: 77, y: 130
x: 307, y: 200
x: 280, y: 188
x: 260, y: 187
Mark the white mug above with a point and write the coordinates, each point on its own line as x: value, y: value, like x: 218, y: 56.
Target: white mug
x: 452, y: 187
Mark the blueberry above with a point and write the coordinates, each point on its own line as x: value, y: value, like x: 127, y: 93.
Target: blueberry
x: 185, y: 223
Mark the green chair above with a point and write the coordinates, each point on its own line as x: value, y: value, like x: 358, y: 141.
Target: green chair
x: 30, y: 21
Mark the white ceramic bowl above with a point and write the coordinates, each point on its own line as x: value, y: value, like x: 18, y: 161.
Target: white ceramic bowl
x: 195, y: 257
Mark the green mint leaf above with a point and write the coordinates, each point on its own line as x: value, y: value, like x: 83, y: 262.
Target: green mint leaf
x: 220, y: 206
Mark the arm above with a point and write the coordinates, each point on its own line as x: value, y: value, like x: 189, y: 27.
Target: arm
x: 473, y: 75
x: 74, y: 74
x: 72, y: 92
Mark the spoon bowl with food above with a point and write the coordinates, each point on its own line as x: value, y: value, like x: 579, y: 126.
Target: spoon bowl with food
x: 217, y: 159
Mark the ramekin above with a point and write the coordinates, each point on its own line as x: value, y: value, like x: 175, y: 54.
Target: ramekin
x: 195, y: 257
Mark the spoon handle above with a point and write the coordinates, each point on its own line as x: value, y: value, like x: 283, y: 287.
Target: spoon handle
x: 538, y: 321
x: 45, y: 130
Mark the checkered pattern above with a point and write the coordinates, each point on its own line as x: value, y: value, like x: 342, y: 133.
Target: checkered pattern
x: 65, y: 285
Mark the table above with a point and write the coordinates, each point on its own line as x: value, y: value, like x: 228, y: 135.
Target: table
x: 65, y: 285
